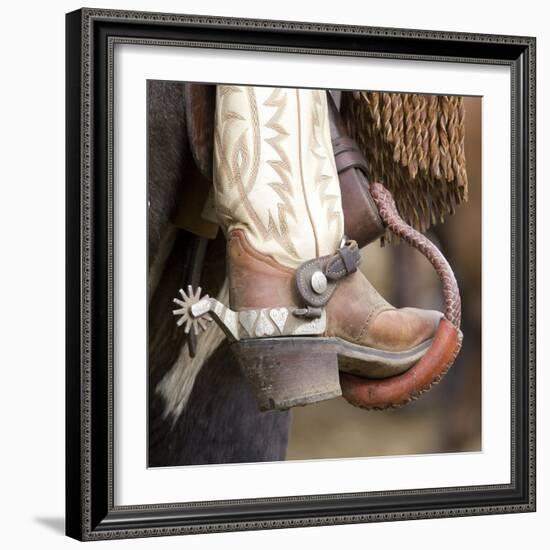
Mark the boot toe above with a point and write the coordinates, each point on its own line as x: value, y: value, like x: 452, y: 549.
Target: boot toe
x: 395, y: 340
x: 403, y: 329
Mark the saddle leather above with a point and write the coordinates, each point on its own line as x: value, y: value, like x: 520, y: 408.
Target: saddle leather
x: 361, y: 220
x: 200, y: 109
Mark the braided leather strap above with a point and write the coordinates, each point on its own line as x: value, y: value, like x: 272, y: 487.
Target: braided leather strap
x: 391, y: 218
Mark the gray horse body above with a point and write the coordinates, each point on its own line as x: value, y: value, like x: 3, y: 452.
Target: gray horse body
x: 221, y: 422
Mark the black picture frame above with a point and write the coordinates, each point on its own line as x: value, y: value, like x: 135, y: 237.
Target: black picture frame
x: 90, y: 512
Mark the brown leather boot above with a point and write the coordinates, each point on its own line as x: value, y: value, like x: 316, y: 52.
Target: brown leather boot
x: 300, y: 311
x: 373, y: 338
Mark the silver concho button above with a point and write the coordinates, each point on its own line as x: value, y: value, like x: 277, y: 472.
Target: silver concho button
x: 318, y: 282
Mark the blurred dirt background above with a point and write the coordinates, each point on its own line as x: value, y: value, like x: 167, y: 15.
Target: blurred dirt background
x: 448, y: 418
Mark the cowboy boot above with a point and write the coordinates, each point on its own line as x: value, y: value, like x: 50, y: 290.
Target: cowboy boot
x: 299, y: 308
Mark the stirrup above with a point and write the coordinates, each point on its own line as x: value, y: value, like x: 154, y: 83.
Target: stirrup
x: 399, y: 390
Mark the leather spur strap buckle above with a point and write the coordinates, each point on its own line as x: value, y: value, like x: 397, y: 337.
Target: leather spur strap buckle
x: 316, y: 279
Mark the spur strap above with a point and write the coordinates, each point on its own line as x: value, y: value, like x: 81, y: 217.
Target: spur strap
x: 316, y: 279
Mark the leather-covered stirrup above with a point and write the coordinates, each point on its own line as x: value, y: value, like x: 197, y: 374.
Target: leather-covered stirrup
x: 370, y: 210
x: 401, y: 389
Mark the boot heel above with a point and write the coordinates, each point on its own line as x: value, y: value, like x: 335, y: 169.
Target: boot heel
x: 289, y: 372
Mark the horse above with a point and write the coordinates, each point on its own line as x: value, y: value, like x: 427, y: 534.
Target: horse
x: 201, y: 408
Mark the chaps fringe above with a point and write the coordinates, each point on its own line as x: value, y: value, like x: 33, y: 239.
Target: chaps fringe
x: 414, y: 145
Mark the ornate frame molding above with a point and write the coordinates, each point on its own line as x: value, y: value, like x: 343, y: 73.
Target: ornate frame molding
x: 91, y: 36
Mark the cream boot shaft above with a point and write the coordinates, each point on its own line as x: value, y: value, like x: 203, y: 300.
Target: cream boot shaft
x: 274, y: 171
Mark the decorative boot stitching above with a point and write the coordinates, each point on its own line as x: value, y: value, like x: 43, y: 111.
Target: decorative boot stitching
x: 372, y: 314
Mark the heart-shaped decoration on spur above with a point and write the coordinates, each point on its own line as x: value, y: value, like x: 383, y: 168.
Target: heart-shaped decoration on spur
x: 247, y: 319
x: 279, y: 316
x: 264, y: 326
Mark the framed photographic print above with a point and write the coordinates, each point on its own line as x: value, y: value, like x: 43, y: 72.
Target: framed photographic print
x: 300, y: 274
